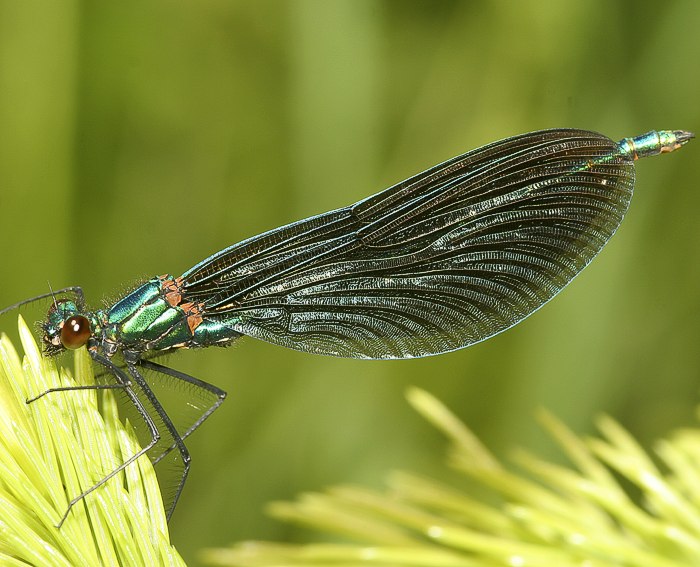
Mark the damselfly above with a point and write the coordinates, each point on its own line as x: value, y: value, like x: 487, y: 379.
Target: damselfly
x: 438, y: 262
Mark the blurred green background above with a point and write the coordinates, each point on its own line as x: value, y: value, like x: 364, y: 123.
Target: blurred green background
x: 137, y: 138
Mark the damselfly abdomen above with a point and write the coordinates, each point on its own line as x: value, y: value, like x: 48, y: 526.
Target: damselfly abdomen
x: 435, y: 263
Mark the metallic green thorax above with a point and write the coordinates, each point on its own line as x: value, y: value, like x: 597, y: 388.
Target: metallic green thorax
x: 144, y: 320
x: 153, y: 317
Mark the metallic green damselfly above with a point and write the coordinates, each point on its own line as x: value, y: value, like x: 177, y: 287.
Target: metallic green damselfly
x: 438, y: 262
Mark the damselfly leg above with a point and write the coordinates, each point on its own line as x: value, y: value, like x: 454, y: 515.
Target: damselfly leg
x: 216, y: 395
x: 124, y: 383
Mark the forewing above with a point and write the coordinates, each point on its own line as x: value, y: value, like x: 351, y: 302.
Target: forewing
x: 438, y: 262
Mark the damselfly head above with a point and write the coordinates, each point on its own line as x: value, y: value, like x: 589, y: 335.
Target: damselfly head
x: 65, y: 328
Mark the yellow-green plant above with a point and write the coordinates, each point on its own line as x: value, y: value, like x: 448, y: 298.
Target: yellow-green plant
x: 52, y: 450
x: 552, y: 516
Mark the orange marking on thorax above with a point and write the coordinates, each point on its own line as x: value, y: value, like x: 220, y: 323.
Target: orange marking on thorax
x: 172, y: 290
x: 193, y: 312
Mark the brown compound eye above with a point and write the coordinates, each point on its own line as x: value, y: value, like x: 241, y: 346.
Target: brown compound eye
x: 75, y: 332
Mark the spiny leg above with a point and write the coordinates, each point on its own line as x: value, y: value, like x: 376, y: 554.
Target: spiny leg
x: 196, y: 382
x: 132, y: 361
x: 125, y: 384
x: 218, y: 393
x: 77, y: 387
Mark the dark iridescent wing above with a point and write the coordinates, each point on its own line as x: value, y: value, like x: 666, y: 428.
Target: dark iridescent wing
x: 438, y: 262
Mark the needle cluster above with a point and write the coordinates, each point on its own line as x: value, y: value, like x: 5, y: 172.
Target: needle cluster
x: 548, y: 514
x: 53, y: 449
